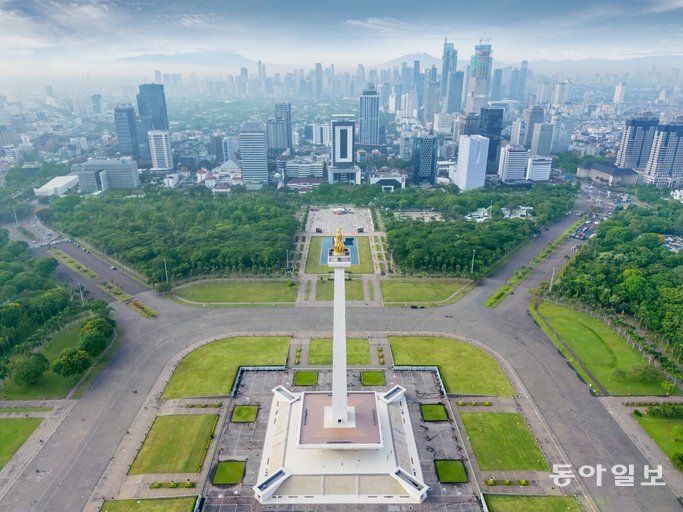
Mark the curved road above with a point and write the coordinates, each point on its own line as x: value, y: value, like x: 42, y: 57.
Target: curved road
x: 66, y: 470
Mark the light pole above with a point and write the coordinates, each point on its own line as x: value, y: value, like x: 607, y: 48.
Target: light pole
x: 166, y: 270
x: 287, y: 267
x: 472, y: 265
x: 552, y: 279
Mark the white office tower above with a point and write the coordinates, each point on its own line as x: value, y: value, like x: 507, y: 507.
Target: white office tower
x: 410, y: 104
x: 406, y: 146
x: 368, y: 132
x: 253, y: 154
x: 513, y: 163
x: 472, y: 157
x: 619, y: 93
x: 343, y: 168
x: 444, y: 122
x: 542, y: 139
x: 538, y: 168
x: 517, y: 133
x: 560, y: 94
x: 160, y: 149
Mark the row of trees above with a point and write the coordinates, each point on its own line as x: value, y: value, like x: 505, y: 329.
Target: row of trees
x: 183, y: 233
x: 627, y: 269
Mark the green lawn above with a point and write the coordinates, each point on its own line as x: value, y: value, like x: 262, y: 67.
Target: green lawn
x: 211, y: 369
x: 659, y: 429
x: 244, y: 413
x: 150, y: 505
x: 465, y: 369
x: 49, y: 385
x: 229, y: 472
x: 498, y: 296
x: 599, y: 348
x: 433, y: 412
x: 421, y: 291
x: 13, y: 433
x: 365, y: 265
x: 500, y: 503
x: 305, y: 378
x: 175, y: 444
x: 451, y: 471
x: 372, y: 378
x: 324, y: 290
x: 357, y: 351
x: 239, y: 291
x: 503, y: 442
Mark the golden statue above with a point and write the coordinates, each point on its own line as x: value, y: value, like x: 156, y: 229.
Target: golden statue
x: 339, y: 249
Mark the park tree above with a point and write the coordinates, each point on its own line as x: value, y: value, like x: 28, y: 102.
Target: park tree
x: 27, y: 368
x: 72, y: 361
x: 93, y: 343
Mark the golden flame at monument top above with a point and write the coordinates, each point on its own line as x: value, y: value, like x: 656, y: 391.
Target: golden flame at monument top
x: 339, y: 243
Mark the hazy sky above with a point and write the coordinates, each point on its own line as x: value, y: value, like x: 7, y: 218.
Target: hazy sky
x: 63, y: 36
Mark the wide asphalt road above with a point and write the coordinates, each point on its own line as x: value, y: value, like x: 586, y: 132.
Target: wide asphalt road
x: 67, y: 469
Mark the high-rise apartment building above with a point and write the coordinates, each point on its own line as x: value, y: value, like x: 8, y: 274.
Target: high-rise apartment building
x: 665, y: 166
x: 424, y: 159
x: 619, y: 93
x: 542, y: 139
x: 513, y: 163
x: 560, y: 93
x: 472, y: 156
x: 497, y: 85
x: 126, y: 130
x: 480, y: 78
x: 431, y: 101
x: 283, y: 112
x: 368, y: 129
x: 96, y: 101
x: 152, y: 103
x: 253, y: 154
x: 636, y: 142
x: 491, y: 126
x: 318, y: 80
x: 160, y: 149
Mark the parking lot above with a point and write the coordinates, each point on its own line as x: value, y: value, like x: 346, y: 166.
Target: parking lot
x: 350, y: 220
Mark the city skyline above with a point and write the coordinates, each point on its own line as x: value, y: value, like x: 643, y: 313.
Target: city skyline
x: 57, y: 37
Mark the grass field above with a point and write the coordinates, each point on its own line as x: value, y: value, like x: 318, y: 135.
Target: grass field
x: 357, y: 351
x: 175, y: 444
x: 13, y: 433
x: 153, y: 505
x: 659, y: 429
x: 244, y: 413
x: 465, y: 369
x: 500, y: 503
x: 365, y: 265
x: 305, y: 378
x: 502, y: 442
x: 211, y: 369
x: 451, y: 471
x: 422, y: 291
x: 229, y: 472
x: 237, y: 292
x: 433, y: 412
x: 372, y: 378
x: 324, y: 290
x: 599, y: 348
x: 49, y: 385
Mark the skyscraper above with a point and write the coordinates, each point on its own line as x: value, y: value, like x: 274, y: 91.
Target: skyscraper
x: 152, y: 102
x: 431, y: 101
x: 368, y: 130
x: 160, y: 148
x: 480, y: 77
x: 542, y: 139
x: 472, y: 155
x: 497, y: 85
x: 126, y: 131
x: 253, y: 156
x: 283, y: 112
x: 665, y: 166
x: 636, y: 141
x: 318, y: 80
x: 424, y: 159
x: 453, y: 100
x: 276, y: 136
x: 513, y: 163
x: 343, y: 168
x: 96, y: 100
x: 560, y: 94
x: 491, y: 126
x: 449, y: 62
x: 532, y: 116
x: 142, y: 127
x: 619, y: 92
x: 518, y: 82
x: 539, y: 168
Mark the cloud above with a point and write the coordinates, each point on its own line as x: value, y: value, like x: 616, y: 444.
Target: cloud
x: 385, y: 26
x: 665, y: 5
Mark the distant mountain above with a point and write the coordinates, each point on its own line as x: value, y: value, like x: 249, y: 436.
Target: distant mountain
x: 209, y: 58
x: 601, y: 66
x: 425, y: 59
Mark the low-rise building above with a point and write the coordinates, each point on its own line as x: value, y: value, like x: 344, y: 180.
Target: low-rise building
x: 57, y: 186
x: 608, y: 173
